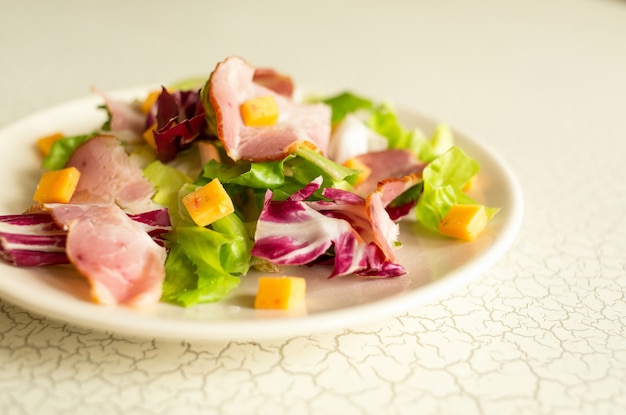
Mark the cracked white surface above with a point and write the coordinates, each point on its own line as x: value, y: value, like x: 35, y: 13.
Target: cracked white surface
x: 543, y: 331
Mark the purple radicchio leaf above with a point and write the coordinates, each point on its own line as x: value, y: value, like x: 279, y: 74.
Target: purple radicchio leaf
x: 298, y: 232
x: 34, y: 239
x: 177, y: 118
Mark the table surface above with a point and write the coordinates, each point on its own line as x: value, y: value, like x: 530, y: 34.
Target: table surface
x: 541, y: 82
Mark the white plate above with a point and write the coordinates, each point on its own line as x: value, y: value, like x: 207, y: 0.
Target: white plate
x: 436, y: 265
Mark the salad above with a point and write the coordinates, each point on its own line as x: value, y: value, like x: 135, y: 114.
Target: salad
x: 180, y: 193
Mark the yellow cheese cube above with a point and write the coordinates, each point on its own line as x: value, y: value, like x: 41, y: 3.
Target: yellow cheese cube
x: 260, y: 111
x: 44, y: 144
x: 280, y: 293
x: 464, y: 221
x: 150, y: 100
x: 208, y: 203
x: 356, y: 164
x: 148, y: 135
x: 57, y: 186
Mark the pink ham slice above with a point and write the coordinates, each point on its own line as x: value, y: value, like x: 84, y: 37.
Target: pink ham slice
x: 232, y: 83
x: 121, y: 262
x: 110, y: 175
x: 368, y: 215
x: 387, y: 164
x: 277, y: 82
x: 384, y: 228
x: 127, y: 120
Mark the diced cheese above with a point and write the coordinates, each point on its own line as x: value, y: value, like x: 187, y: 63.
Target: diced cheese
x: 147, y: 104
x: 44, y: 144
x: 260, y: 111
x: 464, y: 222
x: 280, y: 293
x: 208, y: 203
x: 57, y: 186
x: 148, y: 135
x: 355, y: 164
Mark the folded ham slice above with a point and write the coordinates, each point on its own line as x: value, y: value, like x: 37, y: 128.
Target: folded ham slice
x: 277, y: 82
x: 126, y: 119
x: 387, y: 164
x: 232, y: 83
x: 121, y: 262
x: 109, y: 175
x: 384, y: 228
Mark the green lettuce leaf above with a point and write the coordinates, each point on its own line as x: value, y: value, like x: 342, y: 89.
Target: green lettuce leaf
x: 266, y: 175
x: 167, y: 182
x: 429, y: 149
x: 235, y: 259
x: 191, y: 83
x: 311, y: 164
x: 283, y: 177
x: 204, y: 265
x: 385, y: 122
x: 345, y: 103
x: 304, y: 162
x: 444, y: 179
x: 246, y: 182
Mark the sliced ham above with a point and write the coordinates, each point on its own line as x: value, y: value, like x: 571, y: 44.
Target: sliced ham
x: 110, y: 175
x: 121, y: 262
x: 277, y: 82
x: 386, y: 164
x: 127, y: 121
x: 369, y: 216
x: 385, y: 230
x: 34, y: 239
x: 232, y: 83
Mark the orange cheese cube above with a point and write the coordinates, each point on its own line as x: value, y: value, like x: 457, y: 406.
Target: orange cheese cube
x: 148, y: 135
x: 280, y: 293
x: 57, y: 186
x: 208, y: 203
x: 260, y: 111
x: 44, y: 144
x: 356, y: 164
x: 464, y: 222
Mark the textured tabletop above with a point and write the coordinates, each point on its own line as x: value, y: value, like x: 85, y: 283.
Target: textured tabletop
x: 540, y: 82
